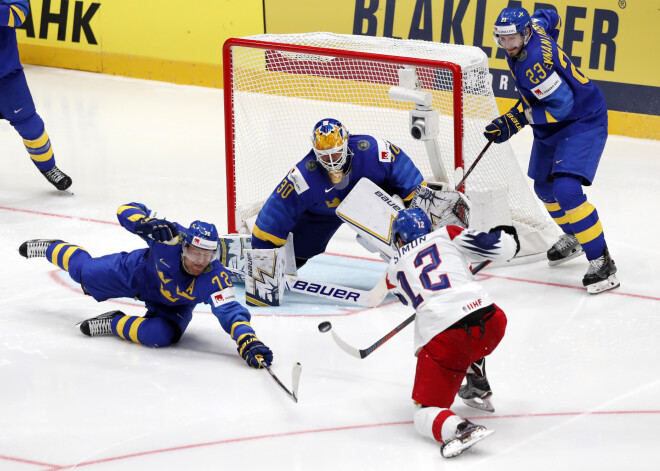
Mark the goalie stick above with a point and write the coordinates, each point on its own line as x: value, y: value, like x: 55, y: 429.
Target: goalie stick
x: 295, y: 379
x: 363, y: 353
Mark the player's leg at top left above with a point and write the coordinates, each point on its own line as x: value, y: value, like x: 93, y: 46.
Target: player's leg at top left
x: 17, y: 106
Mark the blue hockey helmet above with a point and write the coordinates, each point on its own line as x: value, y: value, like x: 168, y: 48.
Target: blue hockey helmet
x: 330, y: 145
x: 411, y: 224
x: 202, y: 235
x: 512, y: 21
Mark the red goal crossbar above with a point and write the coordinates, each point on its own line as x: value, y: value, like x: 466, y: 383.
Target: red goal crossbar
x: 457, y: 85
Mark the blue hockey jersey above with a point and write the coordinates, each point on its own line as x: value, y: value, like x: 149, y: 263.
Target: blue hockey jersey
x: 561, y: 100
x: 155, y: 275
x: 12, y: 15
x: 307, y: 187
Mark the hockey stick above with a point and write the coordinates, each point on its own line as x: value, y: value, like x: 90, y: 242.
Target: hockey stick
x: 481, y: 154
x: 363, y: 353
x: 295, y: 379
x: 366, y: 298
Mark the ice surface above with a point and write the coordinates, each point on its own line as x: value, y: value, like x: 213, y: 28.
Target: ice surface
x: 576, y: 378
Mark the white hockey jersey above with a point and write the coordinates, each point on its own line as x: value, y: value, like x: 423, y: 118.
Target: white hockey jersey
x: 432, y: 274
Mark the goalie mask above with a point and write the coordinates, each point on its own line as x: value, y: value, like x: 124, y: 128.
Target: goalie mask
x: 410, y: 224
x: 200, y: 247
x: 330, y: 144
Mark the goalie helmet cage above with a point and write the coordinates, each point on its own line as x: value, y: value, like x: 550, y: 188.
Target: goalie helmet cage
x: 277, y: 86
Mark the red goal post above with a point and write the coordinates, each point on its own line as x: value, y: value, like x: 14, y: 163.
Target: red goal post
x: 276, y: 87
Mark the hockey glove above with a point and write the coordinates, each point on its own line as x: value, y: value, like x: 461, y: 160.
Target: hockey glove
x: 506, y: 126
x: 159, y: 230
x: 511, y: 231
x: 252, y: 349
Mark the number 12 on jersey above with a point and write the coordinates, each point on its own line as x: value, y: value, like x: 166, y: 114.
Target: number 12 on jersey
x: 429, y: 259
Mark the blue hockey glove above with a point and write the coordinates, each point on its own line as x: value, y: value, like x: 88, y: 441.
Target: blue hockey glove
x: 506, y: 125
x: 159, y: 230
x: 251, y: 349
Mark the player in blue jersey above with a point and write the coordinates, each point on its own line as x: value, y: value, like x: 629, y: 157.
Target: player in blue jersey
x: 568, y: 116
x: 177, y: 271
x: 304, y: 202
x: 16, y: 105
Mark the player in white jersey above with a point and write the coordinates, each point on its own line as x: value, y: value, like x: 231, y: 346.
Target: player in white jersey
x: 456, y: 325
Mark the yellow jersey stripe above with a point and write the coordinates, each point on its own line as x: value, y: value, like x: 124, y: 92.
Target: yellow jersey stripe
x: 267, y: 237
x: 42, y: 157
x: 18, y: 12
x: 120, y: 326
x: 580, y: 213
x: 561, y: 220
x: 590, y: 234
x: 552, y: 206
x: 236, y: 324
x: 132, y: 333
x: 38, y: 142
x: 56, y: 252
x: 67, y: 255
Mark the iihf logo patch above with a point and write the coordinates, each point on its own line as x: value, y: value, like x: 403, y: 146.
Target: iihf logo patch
x: 363, y: 145
x: 311, y: 165
x: 522, y: 56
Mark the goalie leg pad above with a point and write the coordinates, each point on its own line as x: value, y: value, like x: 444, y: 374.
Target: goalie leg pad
x: 231, y: 253
x: 264, y: 276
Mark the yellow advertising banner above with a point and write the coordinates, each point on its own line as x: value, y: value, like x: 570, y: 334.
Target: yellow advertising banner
x: 162, y: 40
x: 607, y: 39
x: 613, y: 42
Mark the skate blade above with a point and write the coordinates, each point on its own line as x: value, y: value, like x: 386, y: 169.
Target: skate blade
x: 457, y: 446
x: 605, y: 285
x: 577, y: 253
x: 481, y: 404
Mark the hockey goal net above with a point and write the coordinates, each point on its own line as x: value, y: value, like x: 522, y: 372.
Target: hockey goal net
x: 276, y: 87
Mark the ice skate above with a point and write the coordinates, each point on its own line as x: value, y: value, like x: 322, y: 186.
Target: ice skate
x: 565, y: 249
x: 99, y: 325
x: 600, y: 275
x: 57, y: 178
x: 476, y: 392
x: 467, y: 435
x: 35, y: 247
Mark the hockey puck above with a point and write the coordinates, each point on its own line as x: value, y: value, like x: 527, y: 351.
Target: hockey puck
x: 325, y: 326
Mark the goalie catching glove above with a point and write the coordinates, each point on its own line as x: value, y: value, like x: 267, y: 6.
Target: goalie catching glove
x: 252, y: 349
x: 159, y: 230
x: 502, y: 128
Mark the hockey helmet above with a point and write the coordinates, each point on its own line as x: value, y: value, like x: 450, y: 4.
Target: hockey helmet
x: 202, y: 235
x: 330, y: 145
x: 512, y: 21
x: 411, y: 224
